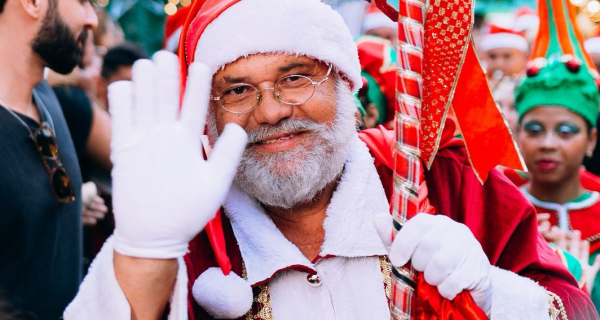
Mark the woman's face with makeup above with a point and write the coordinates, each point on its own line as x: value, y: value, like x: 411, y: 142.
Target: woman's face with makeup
x: 554, y: 141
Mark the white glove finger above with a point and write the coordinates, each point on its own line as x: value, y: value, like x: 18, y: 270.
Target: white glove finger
x: 443, y: 263
x: 384, y: 224
x: 455, y: 283
x: 428, y: 247
x: 227, y: 153
x: 167, y: 69
x: 196, y: 98
x: 120, y: 102
x: 409, y: 237
x: 144, y: 77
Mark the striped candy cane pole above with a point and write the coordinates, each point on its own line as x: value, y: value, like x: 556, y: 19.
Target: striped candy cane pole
x: 409, y: 85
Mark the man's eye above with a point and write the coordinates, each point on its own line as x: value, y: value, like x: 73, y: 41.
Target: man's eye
x: 240, y: 90
x: 293, y: 82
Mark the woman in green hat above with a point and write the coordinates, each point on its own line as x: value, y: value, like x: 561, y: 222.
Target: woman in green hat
x: 557, y: 105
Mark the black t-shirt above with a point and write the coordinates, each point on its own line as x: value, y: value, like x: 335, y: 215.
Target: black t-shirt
x: 77, y: 109
x: 40, y: 238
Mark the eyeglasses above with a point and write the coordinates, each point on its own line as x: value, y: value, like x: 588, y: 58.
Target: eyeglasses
x: 292, y: 90
x: 46, y: 144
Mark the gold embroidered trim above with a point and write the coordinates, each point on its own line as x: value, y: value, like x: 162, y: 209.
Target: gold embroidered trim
x: 386, y: 271
x: 553, y: 301
x: 261, y: 303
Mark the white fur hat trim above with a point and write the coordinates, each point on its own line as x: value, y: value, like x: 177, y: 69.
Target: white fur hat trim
x: 301, y: 27
x: 504, y: 40
x: 223, y: 297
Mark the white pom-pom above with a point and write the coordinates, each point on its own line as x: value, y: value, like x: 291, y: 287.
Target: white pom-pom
x: 223, y: 297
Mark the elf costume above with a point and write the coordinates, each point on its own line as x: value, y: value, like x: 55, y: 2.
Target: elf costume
x: 561, y: 74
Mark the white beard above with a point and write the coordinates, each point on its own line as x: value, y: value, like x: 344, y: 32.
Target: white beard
x: 286, y: 179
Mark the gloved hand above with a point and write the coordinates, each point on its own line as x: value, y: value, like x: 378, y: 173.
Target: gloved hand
x: 445, y: 251
x: 164, y: 193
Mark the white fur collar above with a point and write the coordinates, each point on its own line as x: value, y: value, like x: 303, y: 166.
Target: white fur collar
x: 349, y: 228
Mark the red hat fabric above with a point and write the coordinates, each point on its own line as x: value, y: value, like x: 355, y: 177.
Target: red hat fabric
x: 526, y: 19
x: 173, y: 27
x: 498, y: 37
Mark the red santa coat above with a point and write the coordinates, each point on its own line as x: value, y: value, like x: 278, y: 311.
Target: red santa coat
x: 497, y: 213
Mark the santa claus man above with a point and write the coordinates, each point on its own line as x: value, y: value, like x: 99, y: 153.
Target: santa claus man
x: 302, y: 198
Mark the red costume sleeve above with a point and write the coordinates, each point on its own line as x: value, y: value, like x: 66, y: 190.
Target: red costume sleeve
x: 499, y: 216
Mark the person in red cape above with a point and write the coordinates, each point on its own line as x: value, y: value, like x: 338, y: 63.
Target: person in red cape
x: 306, y: 221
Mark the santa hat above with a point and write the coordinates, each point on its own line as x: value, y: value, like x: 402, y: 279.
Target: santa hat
x: 498, y: 37
x: 592, y: 44
x: 173, y: 27
x: 560, y: 73
x: 218, y: 32
x: 374, y: 18
x: 526, y: 19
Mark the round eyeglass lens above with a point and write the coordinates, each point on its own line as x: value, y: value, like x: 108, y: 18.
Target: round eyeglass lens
x: 61, y: 182
x: 46, y: 142
x: 239, y: 97
x: 295, y: 89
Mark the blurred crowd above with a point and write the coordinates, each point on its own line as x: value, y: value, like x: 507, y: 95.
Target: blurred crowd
x: 504, y: 42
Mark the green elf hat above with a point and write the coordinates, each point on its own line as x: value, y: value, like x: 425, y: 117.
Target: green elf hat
x: 560, y: 72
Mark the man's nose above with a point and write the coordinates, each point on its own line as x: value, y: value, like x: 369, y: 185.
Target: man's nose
x: 91, y: 19
x: 270, y: 110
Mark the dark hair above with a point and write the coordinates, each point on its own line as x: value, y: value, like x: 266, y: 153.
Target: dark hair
x: 2, y: 3
x: 124, y: 54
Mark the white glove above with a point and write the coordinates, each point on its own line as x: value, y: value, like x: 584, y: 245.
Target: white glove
x: 164, y: 193
x: 445, y: 251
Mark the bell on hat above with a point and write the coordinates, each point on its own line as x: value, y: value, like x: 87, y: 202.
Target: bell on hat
x: 560, y: 73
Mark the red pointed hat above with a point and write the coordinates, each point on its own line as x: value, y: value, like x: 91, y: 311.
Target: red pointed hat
x: 526, y: 19
x: 498, y: 37
x: 218, y: 32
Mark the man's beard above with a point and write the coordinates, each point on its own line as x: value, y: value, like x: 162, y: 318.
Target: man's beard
x: 55, y: 43
x: 297, y: 176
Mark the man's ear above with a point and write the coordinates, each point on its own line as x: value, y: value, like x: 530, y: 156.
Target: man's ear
x: 34, y: 8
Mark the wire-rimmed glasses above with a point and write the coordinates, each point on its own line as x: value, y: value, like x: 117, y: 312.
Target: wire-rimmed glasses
x: 292, y: 90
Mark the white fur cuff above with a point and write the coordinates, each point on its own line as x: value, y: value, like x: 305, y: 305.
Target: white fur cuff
x: 100, y: 296
x: 517, y: 298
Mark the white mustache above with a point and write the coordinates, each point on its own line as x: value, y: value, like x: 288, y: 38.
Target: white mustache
x: 286, y: 126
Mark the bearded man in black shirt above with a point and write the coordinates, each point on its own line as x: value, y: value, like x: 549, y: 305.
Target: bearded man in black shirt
x: 40, y: 182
